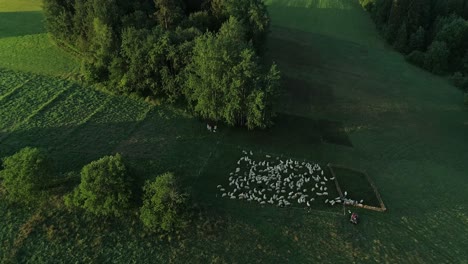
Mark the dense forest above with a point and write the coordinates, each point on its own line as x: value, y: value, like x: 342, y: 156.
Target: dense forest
x: 207, y: 54
x: 433, y: 34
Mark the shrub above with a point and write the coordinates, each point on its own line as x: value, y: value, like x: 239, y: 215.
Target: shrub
x: 163, y: 204
x: 459, y: 80
x: 437, y: 57
x: 26, y: 174
x: 417, y: 58
x: 104, y: 189
x: 466, y: 98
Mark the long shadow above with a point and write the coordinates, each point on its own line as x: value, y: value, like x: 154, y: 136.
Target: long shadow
x: 15, y: 24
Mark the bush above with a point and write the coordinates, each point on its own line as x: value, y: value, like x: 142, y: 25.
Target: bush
x: 417, y: 58
x: 163, y: 204
x: 437, y: 57
x: 104, y: 189
x: 459, y: 80
x: 26, y: 174
x: 367, y: 4
x: 466, y: 98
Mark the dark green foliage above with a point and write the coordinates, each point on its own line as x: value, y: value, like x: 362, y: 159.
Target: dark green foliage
x: 251, y: 13
x: 105, y: 188
x: 226, y: 81
x: 145, y: 47
x: 163, y: 204
x: 459, y: 80
x: 417, y: 39
x: 26, y: 174
x: 367, y: 4
x: 465, y: 63
x: 169, y: 12
x: 417, y: 58
x: 401, y: 43
x: 428, y: 24
x: 437, y: 57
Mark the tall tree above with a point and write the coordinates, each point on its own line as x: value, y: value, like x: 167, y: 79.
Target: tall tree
x: 104, y: 189
x: 169, y: 12
x: 227, y: 83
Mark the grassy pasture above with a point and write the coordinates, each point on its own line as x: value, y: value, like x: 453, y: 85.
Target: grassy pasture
x: 36, y: 54
x: 25, y: 46
x: 20, y: 5
x: 348, y: 99
x: 356, y: 185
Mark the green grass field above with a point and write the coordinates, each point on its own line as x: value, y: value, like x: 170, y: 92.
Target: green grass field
x: 348, y: 100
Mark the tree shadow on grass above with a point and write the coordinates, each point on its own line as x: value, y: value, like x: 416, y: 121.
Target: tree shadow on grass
x: 15, y: 24
x: 293, y: 134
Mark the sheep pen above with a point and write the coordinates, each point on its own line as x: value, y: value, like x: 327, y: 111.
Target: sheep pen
x: 356, y: 182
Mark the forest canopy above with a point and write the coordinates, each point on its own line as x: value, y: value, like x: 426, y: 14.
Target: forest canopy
x: 206, y: 53
x: 433, y: 34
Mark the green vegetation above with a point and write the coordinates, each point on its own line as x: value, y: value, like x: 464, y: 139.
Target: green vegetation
x: 35, y: 53
x: 439, y: 28
x: 231, y: 88
x: 105, y: 188
x: 26, y: 174
x: 156, y: 48
x: 164, y: 205
x: 356, y: 185
x: 20, y: 5
x: 346, y: 99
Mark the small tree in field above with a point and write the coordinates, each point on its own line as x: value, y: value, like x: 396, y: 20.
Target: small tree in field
x: 26, y: 174
x: 163, y: 204
x: 104, y: 189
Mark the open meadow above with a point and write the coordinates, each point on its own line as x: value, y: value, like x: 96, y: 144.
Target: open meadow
x: 348, y: 99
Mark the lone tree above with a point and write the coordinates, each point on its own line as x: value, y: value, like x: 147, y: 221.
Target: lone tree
x: 163, y: 204
x: 104, y: 189
x: 26, y: 174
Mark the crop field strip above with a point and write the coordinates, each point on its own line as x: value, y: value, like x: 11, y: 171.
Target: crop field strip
x: 24, y: 102
x: 102, y: 131
x: 52, y: 126
x: 10, y: 81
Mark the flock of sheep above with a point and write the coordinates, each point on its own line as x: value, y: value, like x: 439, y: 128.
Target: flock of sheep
x: 279, y: 182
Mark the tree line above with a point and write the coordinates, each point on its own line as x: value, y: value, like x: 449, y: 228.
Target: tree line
x: 207, y: 54
x: 433, y: 34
